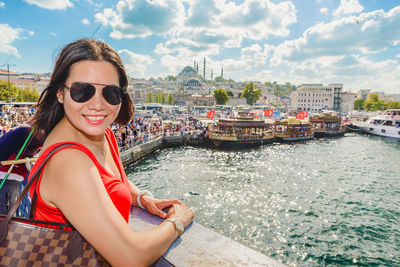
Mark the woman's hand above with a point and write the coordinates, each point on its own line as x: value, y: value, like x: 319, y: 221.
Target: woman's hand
x: 182, y: 213
x: 156, y: 206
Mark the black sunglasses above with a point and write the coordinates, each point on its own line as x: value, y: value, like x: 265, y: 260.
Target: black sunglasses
x: 82, y: 92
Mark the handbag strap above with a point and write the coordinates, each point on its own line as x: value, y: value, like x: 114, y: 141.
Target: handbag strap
x: 34, y: 177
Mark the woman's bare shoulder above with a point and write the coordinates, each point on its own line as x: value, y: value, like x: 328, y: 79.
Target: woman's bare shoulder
x: 70, y: 166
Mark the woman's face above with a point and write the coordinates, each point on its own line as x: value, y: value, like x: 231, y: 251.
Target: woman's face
x: 93, y: 116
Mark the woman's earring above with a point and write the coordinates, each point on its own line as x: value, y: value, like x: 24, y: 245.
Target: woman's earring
x: 60, y: 98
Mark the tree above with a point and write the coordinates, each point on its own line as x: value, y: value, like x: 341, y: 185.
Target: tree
x: 393, y: 105
x: 6, y: 93
x: 171, y: 100
x: 374, y: 103
x: 27, y: 95
x: 221, y: 96
x: 281, y: 89
x: 251, y: 93
x: 359, y: 104
x: 160, y: 98
x: 149, y: 98
x: 171, y: 78
x: 230, y: 93
x: 220, y: 79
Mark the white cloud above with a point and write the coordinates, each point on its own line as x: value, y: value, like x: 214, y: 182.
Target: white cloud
x: 85, y: 21
x: 324, y: 10
x: 2, y: 5
x: 53, y: 34
x: 347, y: 7
x: 51, y: 4
x: 9, y: 35
x: 140, y: 18
x: 368, y: 33
x: 345, y: 50
x: 206, y: 27
x: 136, y: 64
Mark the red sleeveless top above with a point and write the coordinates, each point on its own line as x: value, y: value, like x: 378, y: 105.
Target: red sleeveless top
x: 119, y: 191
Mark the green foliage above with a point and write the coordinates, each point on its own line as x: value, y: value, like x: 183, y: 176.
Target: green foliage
x: 251, y: 93
x: 160, y: 98
x: 359, y: 104
x: 374, y: 103
x: 5, y: 93
x: 221, y: 96
x: 220, y: 79
x: 281, y: 89
x: 149, y: 98
x: 393, y: 105
x: 171, y: 78
x: 27, y: 95
x: 171, y: 100
x: 230, y: 93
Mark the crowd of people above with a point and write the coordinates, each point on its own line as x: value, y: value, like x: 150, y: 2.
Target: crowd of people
x: 11, y: 116
x: 136, y: 132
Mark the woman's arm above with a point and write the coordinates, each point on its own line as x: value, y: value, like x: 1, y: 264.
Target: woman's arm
x: 152, y: 205
x: 71, y: 183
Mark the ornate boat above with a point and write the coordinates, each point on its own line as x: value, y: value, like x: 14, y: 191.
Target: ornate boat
x: 241, y: 131
x: 327, y: 125
x: 293, y: 130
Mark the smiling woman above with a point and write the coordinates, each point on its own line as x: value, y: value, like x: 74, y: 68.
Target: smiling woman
x: 84, y: 183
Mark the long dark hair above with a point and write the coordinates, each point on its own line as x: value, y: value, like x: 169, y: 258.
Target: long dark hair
x: 50, y: 111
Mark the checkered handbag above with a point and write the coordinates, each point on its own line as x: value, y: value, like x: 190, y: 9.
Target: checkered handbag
x: 28, y: 242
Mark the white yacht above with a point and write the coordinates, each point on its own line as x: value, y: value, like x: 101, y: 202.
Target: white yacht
x: 387, y: 125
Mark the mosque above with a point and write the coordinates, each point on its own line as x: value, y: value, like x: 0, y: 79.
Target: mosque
x: 190, y: 79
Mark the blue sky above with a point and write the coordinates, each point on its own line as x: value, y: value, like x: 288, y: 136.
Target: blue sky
x: 354, y: 42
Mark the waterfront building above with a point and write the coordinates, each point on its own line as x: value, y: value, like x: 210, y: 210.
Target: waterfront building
x: 363, y: 93
x: 317, y: 97
x: 22, y: 81
x: 390, y: 97
x: 347, y: 104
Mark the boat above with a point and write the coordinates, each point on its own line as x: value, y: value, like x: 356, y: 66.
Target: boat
x: 387, y: 124
x: 327, y: 125
x: 241, y: 131
x: 293, y: 129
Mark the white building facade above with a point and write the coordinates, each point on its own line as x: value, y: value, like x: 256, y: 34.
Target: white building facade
x: 347, y: 104
x: 317, y: 97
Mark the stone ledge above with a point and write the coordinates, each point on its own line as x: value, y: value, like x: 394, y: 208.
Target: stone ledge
x: 200, y: 246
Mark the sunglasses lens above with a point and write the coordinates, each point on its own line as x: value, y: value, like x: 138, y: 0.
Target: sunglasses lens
x: 82, y: 92
x: 112, y: 94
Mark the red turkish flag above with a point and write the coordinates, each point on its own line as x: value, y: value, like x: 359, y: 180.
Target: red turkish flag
x: 268, y: 112
x: 256, y: 117
x: 210, y: 114
x: 305, y: 114
x: 300, y: 116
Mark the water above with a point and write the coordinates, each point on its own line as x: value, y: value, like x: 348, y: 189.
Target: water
x: 324, y: 202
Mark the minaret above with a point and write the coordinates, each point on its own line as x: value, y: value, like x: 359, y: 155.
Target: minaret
x: 204, y: 70
x: 197, y: 68
x: 222, y: 72
x: 194, y: 65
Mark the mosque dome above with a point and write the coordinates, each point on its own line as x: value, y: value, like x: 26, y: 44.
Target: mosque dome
x: 187, y: 72
x: 193, y: 82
